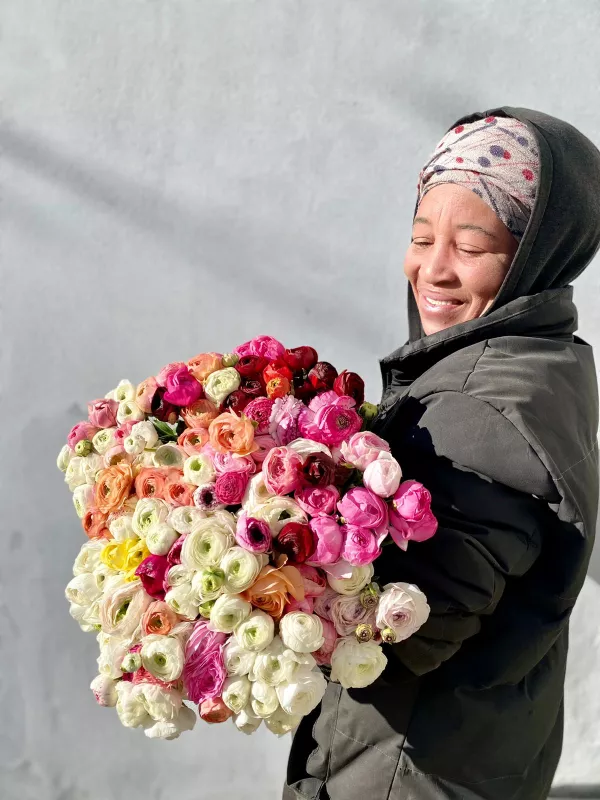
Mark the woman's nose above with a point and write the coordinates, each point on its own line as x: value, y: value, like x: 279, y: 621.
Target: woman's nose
x: 436, y: 265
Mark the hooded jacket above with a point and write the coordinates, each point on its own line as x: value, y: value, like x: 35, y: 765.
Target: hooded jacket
x: 498, y: 417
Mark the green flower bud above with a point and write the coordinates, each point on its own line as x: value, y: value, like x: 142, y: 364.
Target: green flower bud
x: 83, y: 447
x: 205, y: 608
x: 230, y: 359
x: 388, y: 635
x: 364, y: 632
x: 368, y: 411
x: 369, y: 597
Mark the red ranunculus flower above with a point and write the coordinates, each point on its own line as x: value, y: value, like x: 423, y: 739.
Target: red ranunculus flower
x: 237, y: 401
x: 350, y: 384
x: 301, y: 358
x: 297, y: 541
x: 322, y: 376
x: 318, y: 470
x: 162, y: 409
x: 251, y: 366
x: 253, y: 387
x: 276, y: 369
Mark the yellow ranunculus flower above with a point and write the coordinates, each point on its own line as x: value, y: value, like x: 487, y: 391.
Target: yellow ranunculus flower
x: 125, y: 556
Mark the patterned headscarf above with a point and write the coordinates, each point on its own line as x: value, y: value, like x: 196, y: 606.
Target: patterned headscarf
x: 498, y: 159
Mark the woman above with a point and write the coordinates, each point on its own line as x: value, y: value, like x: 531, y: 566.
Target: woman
x: 493, y: 405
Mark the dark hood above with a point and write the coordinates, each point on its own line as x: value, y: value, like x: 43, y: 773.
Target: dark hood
x: 560, y: 240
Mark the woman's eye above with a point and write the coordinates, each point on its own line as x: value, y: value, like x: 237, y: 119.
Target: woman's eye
x: 420, y: 243
x: 470, y: 252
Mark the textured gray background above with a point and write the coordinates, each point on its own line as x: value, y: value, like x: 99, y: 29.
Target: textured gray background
x: 178, y: 176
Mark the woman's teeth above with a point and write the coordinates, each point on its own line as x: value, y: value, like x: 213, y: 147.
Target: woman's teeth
x: 439, y: 302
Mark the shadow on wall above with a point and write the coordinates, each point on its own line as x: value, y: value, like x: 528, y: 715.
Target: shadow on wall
x: 583, y: 792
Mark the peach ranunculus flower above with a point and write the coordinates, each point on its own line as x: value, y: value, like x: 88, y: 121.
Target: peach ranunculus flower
x: 273, y: 588
x: 177, y: 492
x: 144, y: 394
x: 151, y: 481
x: 95, y: 525
x: 192, y: 440
x: 232, y: 434
x: 200, y: 414
x: 113, y: 485
x: 159, y: 618
x: 214, y: 710
x: 203, y: 364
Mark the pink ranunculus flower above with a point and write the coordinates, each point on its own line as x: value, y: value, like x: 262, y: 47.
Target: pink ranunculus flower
x: 281, y: 470
x: 230, y: 487
x: 161, y: 378
x: 361, y: 507
x: 124, y: 430
x: 82, y: 430
x: 383, y: 475
x: 263, y: 347
x: 306, y: 605
x: 329, y: 419
x: 315, y: 583
x: 152, y: 573
x: 347, y: 612
x: 115, y: 455
x: 102, y: 413
x: 259, y: 411
x: 253, y: 534
x: 174, y: 554
x: 363, y: 448
x: 314, y: 500
x: 182, y: 387
x: 323, y: 654
x: 144, y: 394
x: 283, y: 424
x: 410, y: 514
x: 228, y: 462
x: 265, y: 444
x: 329, y: 538
x: 360, y: 545
x: 204, y: 672
x: 323, y: 603
x: 213, y: 710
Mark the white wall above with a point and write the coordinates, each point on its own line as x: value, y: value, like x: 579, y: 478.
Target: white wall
x: 178, y: 176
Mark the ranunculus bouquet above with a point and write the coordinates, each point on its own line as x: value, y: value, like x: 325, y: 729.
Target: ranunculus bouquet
x: 234, y: 506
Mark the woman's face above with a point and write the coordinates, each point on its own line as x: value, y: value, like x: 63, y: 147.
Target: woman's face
x: 458, y: 257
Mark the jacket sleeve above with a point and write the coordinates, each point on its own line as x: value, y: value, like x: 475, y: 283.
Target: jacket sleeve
x: 473, y: 461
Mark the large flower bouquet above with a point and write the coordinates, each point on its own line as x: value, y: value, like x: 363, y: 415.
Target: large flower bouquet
x: 234, y: 506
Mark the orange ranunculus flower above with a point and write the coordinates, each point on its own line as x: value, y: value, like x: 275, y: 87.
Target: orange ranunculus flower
x: 232, y: 434
x: 159, y: 618
x: 144, y: 394
x: 214, y: 710
x: 177, y: 492
x: 94, y: 524
x: 272, y: 589
x: 200, y: 414
x: 203, y: 364
x: 192, y: 440
x: 113, y: 485
x: 151, y: 481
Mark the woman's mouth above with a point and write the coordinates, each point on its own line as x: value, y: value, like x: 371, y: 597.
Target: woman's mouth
x: 438, y: 304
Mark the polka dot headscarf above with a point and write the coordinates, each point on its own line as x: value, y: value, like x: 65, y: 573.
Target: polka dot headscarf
x: 498, y: 159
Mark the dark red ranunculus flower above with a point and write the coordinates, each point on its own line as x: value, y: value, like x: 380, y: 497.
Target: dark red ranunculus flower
x: 162, y: 409
x: 237, y: 401
x: 251, y: 366
x: 301, y: 358
x: 303, y: 388
x: 253, y: 387
x: 297, y: 541
x: 351, y: 384
x: 318, y: 470
x: 322, y: 376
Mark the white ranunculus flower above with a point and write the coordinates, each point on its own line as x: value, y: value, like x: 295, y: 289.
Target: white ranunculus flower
x: 92, y: 464
x: 104, y: 439
x: 134, y: 445
x: 105, y: 690
x: 206, y: 545
x: 183, y: 600
x: 241, y: 568
x: 301, y: 632
x: 278, y: 664
x: 79, y: 615
x: 198, y: 469
x: 304, y: 693
x: 280, y: 722
x: 65, y: 455
x: 171, y: 729
x: 360, y: 577
x: 225, y: 519
x: 162, y: 656
x: 91, y: 615
x: 149, y: 513
x: 229, y: 611
x: 124, y: 391
x: 256, y: 632
x: 236, y: 693
x: 356, y: 664
x: 144, y: 460
x: 185, y: 518
x: 238, y: 661
x: 83, y: 498
x: 103, y: 573
x: 278, y: 511
x: 169, y: 455
x: 130, y: 705
x: 82, y: 589
x: 129, y: 411
x: 121, y: 610
x: 247, y: 721
x: 306, y: 448
x: 88, y: 557
x: 264, y: 699
x: 122, y: 528
x: 402, y: 607
x: 147, y: 431
x: 256, y: 493
x: 75, y: 474
x: 208, y: 583
x: 160, y: 539
x: 178, y: 574
x: 113, y: 650
x: 221, y: 383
